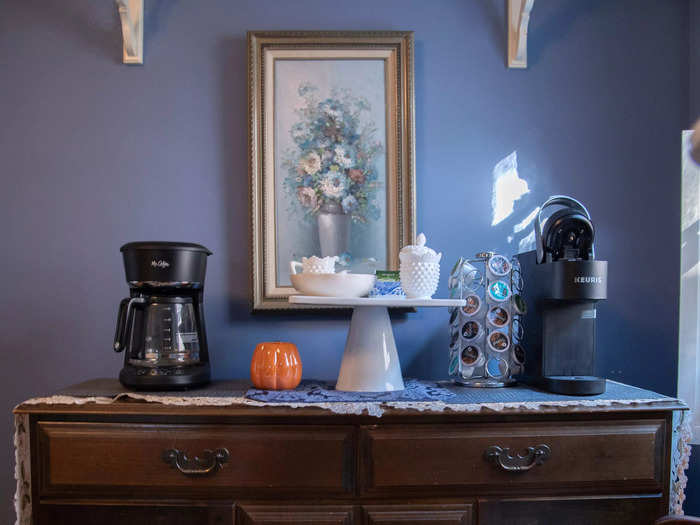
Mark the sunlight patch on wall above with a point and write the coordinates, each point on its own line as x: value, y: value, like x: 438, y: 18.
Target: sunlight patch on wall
x: 508, y: 187
x: 527, y: 243
x: 526, y: 221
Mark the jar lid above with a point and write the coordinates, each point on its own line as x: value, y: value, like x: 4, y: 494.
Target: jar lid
x: 419, y: 251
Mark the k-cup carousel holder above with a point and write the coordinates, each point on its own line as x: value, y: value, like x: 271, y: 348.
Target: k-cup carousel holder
x: 485, y: 347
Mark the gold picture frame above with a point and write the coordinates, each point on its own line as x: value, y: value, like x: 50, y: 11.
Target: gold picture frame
x: 274, y: 58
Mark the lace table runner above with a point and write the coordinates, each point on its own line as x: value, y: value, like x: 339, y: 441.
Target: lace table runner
x: 421, y: 395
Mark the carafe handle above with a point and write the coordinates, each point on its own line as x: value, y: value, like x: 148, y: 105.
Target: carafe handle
x: 125, y: 307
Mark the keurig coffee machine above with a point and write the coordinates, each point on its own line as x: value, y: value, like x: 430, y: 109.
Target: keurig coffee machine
x: 160, y: 327
x: 562, y: 284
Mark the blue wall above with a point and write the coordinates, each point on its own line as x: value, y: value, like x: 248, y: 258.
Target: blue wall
x: 694, y: 62
x: 94, y: 154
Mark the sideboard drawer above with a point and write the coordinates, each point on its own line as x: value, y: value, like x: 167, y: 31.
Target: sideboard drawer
x: 295, y: 515
x: 581, y: 455
x: 598, y: 510
x: 407, y: 514
x: 83, y: 513
x: 140, y: 459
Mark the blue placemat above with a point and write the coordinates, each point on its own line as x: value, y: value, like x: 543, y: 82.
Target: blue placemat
x: 310, y: 391
x: 522, y: 393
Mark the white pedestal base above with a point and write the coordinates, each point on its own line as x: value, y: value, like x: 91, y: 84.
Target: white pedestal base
x: 370, y: 362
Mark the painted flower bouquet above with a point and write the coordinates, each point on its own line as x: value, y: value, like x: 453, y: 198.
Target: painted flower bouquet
x: 333, y: 166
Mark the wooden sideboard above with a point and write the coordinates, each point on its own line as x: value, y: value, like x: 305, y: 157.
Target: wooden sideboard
x: 132, y: 463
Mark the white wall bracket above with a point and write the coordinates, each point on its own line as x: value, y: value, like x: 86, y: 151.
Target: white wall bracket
x: 131, y: 15
x: 518, y: 20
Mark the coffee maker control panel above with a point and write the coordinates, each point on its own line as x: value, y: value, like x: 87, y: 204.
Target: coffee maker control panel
x: 574, y: 280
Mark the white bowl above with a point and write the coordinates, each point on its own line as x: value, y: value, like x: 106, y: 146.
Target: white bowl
x: 333, y: 284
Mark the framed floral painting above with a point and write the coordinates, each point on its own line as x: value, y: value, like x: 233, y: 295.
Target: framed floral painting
x: 331, y: 152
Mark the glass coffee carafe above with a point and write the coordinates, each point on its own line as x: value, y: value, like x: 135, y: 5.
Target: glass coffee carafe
x: 159, y: 331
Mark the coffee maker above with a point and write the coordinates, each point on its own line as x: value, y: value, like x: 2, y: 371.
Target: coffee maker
x: 160, y: 327
x: 562, y: 284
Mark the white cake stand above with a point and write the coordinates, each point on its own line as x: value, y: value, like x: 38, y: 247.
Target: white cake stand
x: 370, y: 362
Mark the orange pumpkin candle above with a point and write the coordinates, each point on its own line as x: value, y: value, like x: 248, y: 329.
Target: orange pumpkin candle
x: 275, y: 366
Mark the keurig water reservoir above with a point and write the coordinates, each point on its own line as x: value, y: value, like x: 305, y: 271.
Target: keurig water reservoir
x: 563, y: 283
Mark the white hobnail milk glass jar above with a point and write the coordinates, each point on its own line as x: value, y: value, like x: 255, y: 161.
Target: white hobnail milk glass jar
x: 419, y: 269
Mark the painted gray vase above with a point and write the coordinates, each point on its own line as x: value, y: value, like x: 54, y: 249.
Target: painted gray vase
x: 333, y: 229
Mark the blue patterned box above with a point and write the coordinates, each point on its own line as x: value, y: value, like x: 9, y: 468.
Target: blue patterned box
x: 388, y: 284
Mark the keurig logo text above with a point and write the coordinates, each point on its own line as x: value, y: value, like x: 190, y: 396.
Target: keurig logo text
x: 588, y: 279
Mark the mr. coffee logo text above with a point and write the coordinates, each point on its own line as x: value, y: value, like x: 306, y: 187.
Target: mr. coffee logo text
x: 160, y: 263
x: 588, y: 279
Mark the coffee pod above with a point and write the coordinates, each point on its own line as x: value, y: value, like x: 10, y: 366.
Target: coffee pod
x: 498, y: 341
x: 472, y: 356
x: 517, y: 329
x: 516, y: 280
x: 467, y: 372
x: 498, y: 317
x: 519, y: 304
x: 497, y: 368
x: 498, y: 292
x: 472, y: 331
x: 498, y: 267
x: 473, y: 306
x: 514, y: 263
x: 454, y: 364
x: 471, y: 277
x: 452, y: 282
x: 519, y: 354
x: 457, y: 268
x: 454, y: 337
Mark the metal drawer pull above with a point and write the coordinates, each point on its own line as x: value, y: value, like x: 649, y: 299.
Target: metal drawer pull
x: 518, y: 463
x: 209, y: 462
